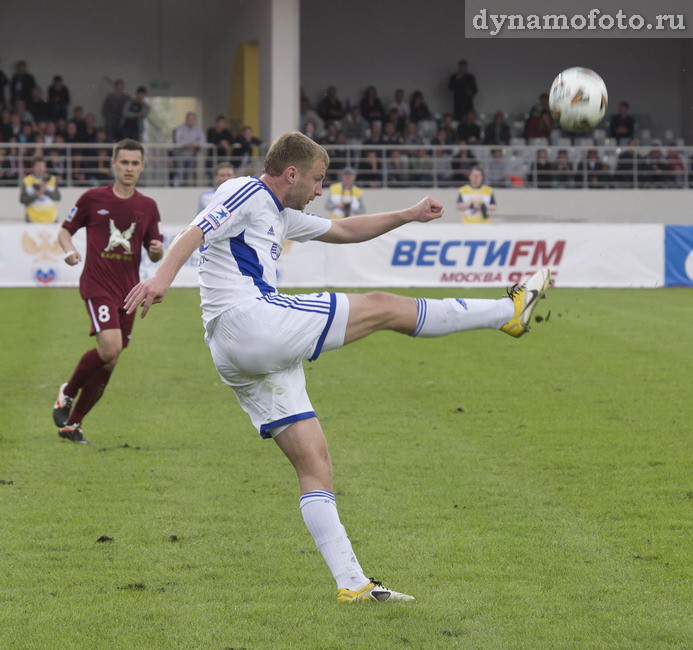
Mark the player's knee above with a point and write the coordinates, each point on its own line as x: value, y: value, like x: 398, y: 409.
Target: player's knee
x: 109, y: 355
x: 383, y: 305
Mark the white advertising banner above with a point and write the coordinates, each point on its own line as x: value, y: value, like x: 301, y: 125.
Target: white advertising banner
x: 416, y: 255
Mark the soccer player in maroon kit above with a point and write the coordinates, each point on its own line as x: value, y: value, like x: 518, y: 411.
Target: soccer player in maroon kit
x: 119, y: 222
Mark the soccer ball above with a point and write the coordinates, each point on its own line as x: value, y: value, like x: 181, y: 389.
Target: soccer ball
x: 578, y: 99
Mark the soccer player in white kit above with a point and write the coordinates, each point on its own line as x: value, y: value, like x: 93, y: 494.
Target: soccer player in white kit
x: 259, y: 338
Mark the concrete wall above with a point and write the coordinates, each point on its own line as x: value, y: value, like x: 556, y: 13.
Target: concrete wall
x: 179, y: 205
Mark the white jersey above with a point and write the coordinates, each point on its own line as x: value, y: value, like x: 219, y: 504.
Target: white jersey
x: 244, y: 227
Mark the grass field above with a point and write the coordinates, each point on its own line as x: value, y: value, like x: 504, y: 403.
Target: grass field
x: 531, y: 494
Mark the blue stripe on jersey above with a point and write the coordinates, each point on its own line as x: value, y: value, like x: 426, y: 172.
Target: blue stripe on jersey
x: 237, y: 203
x: 326, y: 329
x: 249, y: 263
x: 421, y: 309
x: 240, y: 194
x: 265, y: 428
x: 277, y: 202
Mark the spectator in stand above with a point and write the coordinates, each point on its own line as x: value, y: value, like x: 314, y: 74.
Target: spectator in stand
x: 8, y: 175
x: 376, y: 136
x: 330, y: 136
x: 40, y: 194
x: 22, y: 84
x: 73, y: 134
x: 4, y: 81
x: 338, y: 157
x: 541, y: 106
x: 397, y: 169
x: 420, y: 168
x: 541, y: 172
x: 13, y: 128
x: 58, y: 98
x: 61, y: 127
x: 400, y: 105
x: 469, y: 130
x: 412, y: 135
x: 244, y: 147
x: 372, y: 108
x: 26, y: 135
x: 98, y: 167
x: 4, y: 123
x: 25, y: 117
x: 308, y: 114
x: 390, y: 134
x: 88, y: 134
x: 38, y: 106
x: 345, y: 199
x: 622, y: 124
x: 330, y: 108
x: 112, y: 110
x: 448, y: 125
x: 627, y: 166
x: 220, y: 136
x: 675, y: 168
x: 441, y: 138
x: 399, y: 122
x: 134, y: 114
x: 497, y: 172
x: 310, y: 130
x: 49, y: 135
x: 418, y: 110
x: 224, y: 172
x: 497, y: 131
x: 539, y: 126
x: 442, y: 164
x: 592, y: 172
x: 563, y: 170
x: 462, y: 162
x: 371, y: 169
x: 355, y: 126
x: 190, y: 139
x: 475, y: 199
x: 462, y: 84
x: 78, y: 120
x: 655, y: 169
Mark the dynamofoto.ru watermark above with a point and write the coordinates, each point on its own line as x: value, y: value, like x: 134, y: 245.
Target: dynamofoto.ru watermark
x: 594, y: 20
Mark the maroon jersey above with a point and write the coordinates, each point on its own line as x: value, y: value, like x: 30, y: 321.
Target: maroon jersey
x: 116, y: 231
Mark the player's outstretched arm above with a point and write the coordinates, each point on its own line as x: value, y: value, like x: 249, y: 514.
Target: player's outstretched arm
x: 369, y: 226
x: 153, y: 290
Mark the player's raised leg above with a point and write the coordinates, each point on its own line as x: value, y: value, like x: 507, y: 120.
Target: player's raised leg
x: 428, y: 317
x: 304, y: 444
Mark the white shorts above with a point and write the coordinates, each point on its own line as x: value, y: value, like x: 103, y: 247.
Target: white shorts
x: 259, y: 347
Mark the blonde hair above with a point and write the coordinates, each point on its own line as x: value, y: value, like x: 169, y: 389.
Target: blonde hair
x: 293, y: 149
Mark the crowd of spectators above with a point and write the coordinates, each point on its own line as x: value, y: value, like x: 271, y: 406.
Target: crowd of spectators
x: 430, y: 148
x: 44, y: 126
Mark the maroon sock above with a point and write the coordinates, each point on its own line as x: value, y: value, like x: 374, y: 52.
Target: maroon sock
x: 87, y: 366
x: 91, y: 393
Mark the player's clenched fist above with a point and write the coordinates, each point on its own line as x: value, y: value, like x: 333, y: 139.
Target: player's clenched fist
x: 427, y: 209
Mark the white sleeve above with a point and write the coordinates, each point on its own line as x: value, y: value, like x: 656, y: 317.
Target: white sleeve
x: 303, y: 226
x: 215, y: 221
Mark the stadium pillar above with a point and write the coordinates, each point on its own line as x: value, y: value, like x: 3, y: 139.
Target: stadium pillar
x: 284, y: 54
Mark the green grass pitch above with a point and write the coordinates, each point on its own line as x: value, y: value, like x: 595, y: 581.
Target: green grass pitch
x: 531, y: 493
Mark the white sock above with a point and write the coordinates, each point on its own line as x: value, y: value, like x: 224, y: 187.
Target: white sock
x: 319, y: 511
x: 440, y: 317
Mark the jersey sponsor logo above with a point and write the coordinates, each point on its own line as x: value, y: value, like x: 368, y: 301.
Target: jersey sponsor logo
x: 118, y: 238
x: 103, y: 212
x: 71, y: 214
x: 216, y: 215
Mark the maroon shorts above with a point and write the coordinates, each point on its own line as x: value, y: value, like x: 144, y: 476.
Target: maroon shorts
x: 105, y: 314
